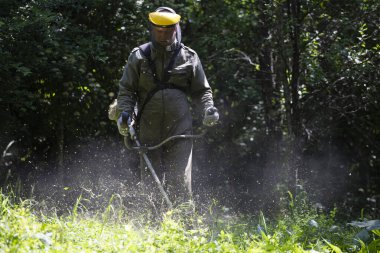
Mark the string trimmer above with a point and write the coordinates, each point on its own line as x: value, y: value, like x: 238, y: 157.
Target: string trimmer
x: 143, y: 149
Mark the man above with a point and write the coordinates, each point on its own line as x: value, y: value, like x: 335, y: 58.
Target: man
x: 159, y: 77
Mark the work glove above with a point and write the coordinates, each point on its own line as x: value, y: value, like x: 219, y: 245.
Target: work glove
x: 211, y: 116
x: 122, y: 123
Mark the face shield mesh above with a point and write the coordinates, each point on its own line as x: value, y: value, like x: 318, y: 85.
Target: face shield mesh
x: 177, y: 26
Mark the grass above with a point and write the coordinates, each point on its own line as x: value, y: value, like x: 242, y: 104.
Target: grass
x: 298, y: 228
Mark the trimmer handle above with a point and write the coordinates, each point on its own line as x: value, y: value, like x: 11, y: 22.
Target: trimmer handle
x: 125, y: 118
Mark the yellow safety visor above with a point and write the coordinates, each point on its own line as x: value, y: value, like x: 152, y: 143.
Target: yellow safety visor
x: 164, y: 19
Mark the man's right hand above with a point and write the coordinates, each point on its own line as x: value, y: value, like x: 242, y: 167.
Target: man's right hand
x: 122, y: 123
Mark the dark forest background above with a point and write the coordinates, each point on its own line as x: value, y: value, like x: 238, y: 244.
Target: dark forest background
x: 296, y: 83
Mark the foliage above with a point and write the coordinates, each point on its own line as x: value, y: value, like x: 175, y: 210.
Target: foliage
x: 24, y: 229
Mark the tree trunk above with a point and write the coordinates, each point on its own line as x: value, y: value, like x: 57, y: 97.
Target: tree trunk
x: 295, y: 23
x: 271, y: 102
x: 61, y: 145
x: 296, y: 166
x: 281, y: 66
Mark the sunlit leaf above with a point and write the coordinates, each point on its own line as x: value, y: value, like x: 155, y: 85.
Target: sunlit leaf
x: 333, y: 247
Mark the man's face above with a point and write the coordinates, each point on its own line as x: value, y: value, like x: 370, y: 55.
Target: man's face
x: 163, y: 36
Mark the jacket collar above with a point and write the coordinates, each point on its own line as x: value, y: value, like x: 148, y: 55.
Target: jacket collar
x: 158, y: 48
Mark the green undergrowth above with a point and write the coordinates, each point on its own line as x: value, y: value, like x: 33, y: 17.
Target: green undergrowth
x: 299, y: 227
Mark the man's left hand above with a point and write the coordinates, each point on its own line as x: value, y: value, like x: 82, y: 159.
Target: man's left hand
x: 211, y: 116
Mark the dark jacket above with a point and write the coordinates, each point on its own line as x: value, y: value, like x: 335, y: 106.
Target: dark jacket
x: 168, y: 112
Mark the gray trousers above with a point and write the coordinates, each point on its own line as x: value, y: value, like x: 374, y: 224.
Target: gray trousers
x: 168, y: 114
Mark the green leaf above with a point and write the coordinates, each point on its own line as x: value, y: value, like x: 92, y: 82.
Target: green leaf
x: 376, y: 232
x: 333, y: 247
x: 369, y: 225
x: 24, y: 70
x: 363, y: 235
x: 374, y: 246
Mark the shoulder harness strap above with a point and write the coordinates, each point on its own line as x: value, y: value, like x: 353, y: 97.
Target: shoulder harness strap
x: 160, y: 84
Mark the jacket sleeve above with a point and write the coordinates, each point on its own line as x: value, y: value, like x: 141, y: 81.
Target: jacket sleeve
x: 200, y: 89
x: 128, y: 84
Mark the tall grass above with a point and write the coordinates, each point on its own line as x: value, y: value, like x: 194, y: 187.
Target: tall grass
x: 298, y: 228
